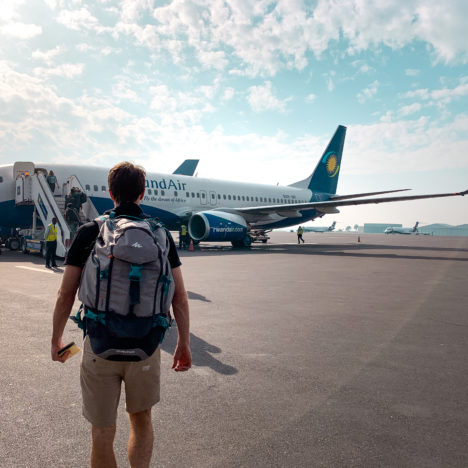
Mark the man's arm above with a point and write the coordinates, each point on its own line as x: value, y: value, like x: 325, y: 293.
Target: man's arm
x: 63, y: 305
x: 180, y: 307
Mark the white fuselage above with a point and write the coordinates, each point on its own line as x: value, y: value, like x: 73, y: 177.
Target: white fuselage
x: 173, y: 198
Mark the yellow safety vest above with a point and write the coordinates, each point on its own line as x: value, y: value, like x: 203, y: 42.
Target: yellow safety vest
x: 300, y: 231
x: 183, y: 230
x: 52, y: 233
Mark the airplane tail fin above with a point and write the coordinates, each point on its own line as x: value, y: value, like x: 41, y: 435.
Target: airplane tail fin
x: 187, y: 167
x: 325, y: 176
x: 415, y: 228
x: 332, y: 227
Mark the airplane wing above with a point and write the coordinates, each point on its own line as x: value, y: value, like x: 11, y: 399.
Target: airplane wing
x: 292, y: 210
x: 357, y: 195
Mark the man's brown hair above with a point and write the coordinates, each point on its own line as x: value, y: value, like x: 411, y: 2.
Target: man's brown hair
x: 126, y: 182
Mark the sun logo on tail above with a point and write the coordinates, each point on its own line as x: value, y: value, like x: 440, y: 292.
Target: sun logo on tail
x: 331, y: 163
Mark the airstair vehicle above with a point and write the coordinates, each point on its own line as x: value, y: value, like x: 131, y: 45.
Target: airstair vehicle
x: 32, y: 189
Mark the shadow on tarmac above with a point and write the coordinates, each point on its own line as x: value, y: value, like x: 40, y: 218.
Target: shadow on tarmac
x: 201, y: 352
x: 197, y: 297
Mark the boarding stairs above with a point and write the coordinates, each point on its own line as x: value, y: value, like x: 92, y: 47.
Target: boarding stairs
x: 32, y: 189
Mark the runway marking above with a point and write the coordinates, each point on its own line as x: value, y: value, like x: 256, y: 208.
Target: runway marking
x: 36, y: 269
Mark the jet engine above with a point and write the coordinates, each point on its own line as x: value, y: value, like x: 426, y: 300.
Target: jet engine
x: 217, y: 226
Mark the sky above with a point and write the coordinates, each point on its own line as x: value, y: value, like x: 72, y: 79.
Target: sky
x: 254, y: 89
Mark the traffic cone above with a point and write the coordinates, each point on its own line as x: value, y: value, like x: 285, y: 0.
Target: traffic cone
x: 191, y: 245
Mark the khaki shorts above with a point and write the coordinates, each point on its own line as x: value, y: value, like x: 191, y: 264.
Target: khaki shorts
x: 101, y: 382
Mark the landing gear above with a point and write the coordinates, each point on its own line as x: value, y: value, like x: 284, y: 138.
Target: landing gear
x: 245, y: 243
x: 13, y: 243
x: 259, y: 235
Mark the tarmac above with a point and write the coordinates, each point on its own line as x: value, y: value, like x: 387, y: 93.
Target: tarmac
x: 335, y: 353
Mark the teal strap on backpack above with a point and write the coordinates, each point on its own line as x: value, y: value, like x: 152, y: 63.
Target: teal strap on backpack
x: 161, y: 321
x: 100, y: 318
x: 77, y: 318
x: 135, y: 277
x: 166, y: 282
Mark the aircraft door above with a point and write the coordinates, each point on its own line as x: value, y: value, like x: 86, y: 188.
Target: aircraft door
x: 203, y: 197
x: 212, y: 198
x: 19, y: 194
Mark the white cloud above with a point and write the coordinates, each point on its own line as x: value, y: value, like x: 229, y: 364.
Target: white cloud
x: 411, y: 72
x: 411, y: 109
x: 261, y: 99
x: 368, y: 92
x: 441, y: 96
x: 78, y: 19
x: 20, y: 30
x: 311, y: 98
x: 66, y: 70
x: 407, y: 145
x: 266, y: 36
x: 229, y: 93
x: 49, y: 55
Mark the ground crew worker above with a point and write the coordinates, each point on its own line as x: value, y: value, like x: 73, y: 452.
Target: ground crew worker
x: 51, y: 243
x: 183, y: 237
x: 300, y: 231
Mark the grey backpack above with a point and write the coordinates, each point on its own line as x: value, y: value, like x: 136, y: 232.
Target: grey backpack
x: 126, y: 288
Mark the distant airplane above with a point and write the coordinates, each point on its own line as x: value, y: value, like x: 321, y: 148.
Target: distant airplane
x: 187, y: 168
x: 320, y: 228
x: 402, y: 230
x: 213, y: 210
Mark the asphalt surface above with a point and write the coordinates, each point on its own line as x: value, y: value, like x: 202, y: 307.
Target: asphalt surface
x: 336, y: 353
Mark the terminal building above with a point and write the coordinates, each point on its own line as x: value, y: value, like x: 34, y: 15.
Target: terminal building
x: 444, y: 230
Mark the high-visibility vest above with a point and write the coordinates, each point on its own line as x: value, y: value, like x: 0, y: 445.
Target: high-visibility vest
x: 300, y: 231
x: 183, y: 230
x: 51, y: 233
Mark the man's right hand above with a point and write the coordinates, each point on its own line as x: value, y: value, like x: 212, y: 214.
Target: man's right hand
x: 182, y: 358
x: 54, y: 348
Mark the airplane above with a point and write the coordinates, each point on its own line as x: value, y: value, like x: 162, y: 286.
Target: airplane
x: 320, y: 228
x: 214, y: 210
x: 401, y: 230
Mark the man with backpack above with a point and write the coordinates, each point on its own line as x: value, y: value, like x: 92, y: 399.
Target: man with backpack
x: 127, y: 271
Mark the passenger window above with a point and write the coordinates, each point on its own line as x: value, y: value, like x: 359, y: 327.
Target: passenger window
x: 243, y: 198
x: 261, y: 199
x: 193, y: 195
x: 203, y: 195
x: 87, y: 187
x: 229, y: 197
x: 175, y: 194
x: 149, y: 192
x: 219, y: 196
x: 247, y: 198
x: 187, y: 194
x: 269, y: 200
x: 224, y: 196
x: 256, y: 198
x: 96, y: 188
x: 162, y: 192
x: 155, y: 192
x: 103, y: 188
x: 198, y: 195
x: 213, y: 196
